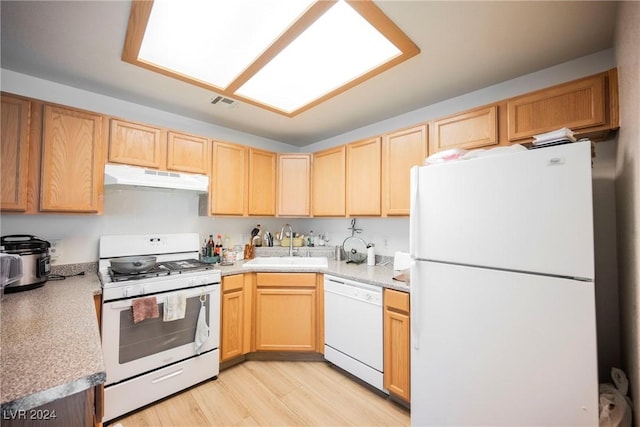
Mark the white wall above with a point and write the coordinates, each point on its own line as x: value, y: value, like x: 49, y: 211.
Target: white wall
x: 33, y: 87
x: 627, y: 53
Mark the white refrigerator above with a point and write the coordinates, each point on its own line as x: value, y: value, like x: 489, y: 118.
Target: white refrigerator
x: 502, y: 291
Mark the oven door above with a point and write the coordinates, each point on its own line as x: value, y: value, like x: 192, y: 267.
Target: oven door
x: 132, y: 349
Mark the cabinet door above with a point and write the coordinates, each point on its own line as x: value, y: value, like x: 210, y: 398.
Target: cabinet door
x: 228, y: 188
x: 262, y: 182
x: 329, y: 182
x: 287, y: 308
x: 233, y: 313
x: 136, y: 144
x: 470, y: 129
x: 15, y: 153
x: 576, y: 105
x: 294, y: 185
x: 363, y: 177
x: 72, y: 163
x: 397, y: 368
x: 286, y: 319
x: 400, y: 151
x: 187, y: 153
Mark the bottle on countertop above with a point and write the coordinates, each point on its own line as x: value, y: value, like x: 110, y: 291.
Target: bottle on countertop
x: 227, y: 242
x: 203, y: 251
x: 210, y: 246
x: 310, y: 238
x: 218, y: 247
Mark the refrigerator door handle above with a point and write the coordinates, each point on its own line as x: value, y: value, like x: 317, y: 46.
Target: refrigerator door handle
x: 414, y: 304
x: 413, y: 217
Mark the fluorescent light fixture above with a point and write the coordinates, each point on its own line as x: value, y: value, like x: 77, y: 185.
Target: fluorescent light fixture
x: 283, y: 55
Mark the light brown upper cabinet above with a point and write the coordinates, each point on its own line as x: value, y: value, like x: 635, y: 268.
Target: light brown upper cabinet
x: 328, y: 182
x: 401, y: 150
x: 294, y: 185
x: 262, y: 182
x: 588, y: 106
x: 187, y: 153
x: 467, y: 130
x: 139, y: 144
x: 243, y: 181
x: 15, y: 153
x: 364, y: 160
x: 229, y: 177
x: 136, y: 144
x: 72, y: 161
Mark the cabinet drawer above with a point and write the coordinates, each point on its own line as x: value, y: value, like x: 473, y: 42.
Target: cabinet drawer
x: 286, y: 279
x: 396, y: 300
x: 232, y: 283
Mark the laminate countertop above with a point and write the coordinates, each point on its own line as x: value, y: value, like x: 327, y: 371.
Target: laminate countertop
x: 50, y: 343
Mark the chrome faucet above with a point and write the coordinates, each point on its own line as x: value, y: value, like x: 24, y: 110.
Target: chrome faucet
x: 282, y: 236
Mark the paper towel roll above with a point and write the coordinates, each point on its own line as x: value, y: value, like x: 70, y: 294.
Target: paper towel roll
x: 371, y: 256
x: 401, y: 261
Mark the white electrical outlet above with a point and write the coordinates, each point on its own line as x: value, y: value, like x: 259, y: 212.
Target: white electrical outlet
x: 54, y: 250
x: 385, y: 242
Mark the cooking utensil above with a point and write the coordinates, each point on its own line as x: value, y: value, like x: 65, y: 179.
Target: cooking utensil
x: 36, y: 263
x: 133, y: 264
x: 355, y: 250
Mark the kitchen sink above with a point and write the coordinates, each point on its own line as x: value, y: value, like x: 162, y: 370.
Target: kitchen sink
x: 287, y: 262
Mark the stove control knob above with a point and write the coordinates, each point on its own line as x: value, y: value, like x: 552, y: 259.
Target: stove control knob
x: 125, y: 292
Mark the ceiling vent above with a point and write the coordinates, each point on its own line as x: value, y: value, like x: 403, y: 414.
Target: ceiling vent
x: 224, y: 102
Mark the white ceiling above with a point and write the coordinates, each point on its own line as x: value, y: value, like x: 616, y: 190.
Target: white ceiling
x: 465, y: 46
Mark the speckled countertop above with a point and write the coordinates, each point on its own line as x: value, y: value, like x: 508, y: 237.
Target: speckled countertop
x: 380, y: 275
x: 50, y: 343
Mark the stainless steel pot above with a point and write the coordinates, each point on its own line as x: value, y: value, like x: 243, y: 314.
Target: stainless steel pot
x: 133, y: 264
x: 36, y: 263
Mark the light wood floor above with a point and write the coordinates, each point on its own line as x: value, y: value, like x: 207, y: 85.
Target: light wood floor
x: 267, y: 393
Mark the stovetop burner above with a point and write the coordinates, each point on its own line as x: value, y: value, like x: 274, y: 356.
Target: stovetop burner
x: 164, y: 268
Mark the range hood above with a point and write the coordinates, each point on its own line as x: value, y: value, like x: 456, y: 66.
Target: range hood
x: 123, y: 175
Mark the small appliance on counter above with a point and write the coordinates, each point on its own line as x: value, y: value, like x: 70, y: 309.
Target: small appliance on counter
x: 34, y: 255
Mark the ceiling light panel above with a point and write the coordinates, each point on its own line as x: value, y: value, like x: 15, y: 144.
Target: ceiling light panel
x: 282, y: 55
x: 339, y: 47
x: 214, y: 40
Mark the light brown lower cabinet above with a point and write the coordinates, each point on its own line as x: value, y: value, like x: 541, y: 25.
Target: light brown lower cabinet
x: 236, y: 317
x: 289, y: 312
x: 397, y: 352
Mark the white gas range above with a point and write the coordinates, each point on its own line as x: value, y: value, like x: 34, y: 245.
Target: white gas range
x: 153, y: 358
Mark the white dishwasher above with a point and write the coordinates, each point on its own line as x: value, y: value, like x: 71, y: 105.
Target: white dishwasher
x: 353, y: 328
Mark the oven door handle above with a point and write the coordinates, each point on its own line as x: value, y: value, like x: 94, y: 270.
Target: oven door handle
x: 190, y: 293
